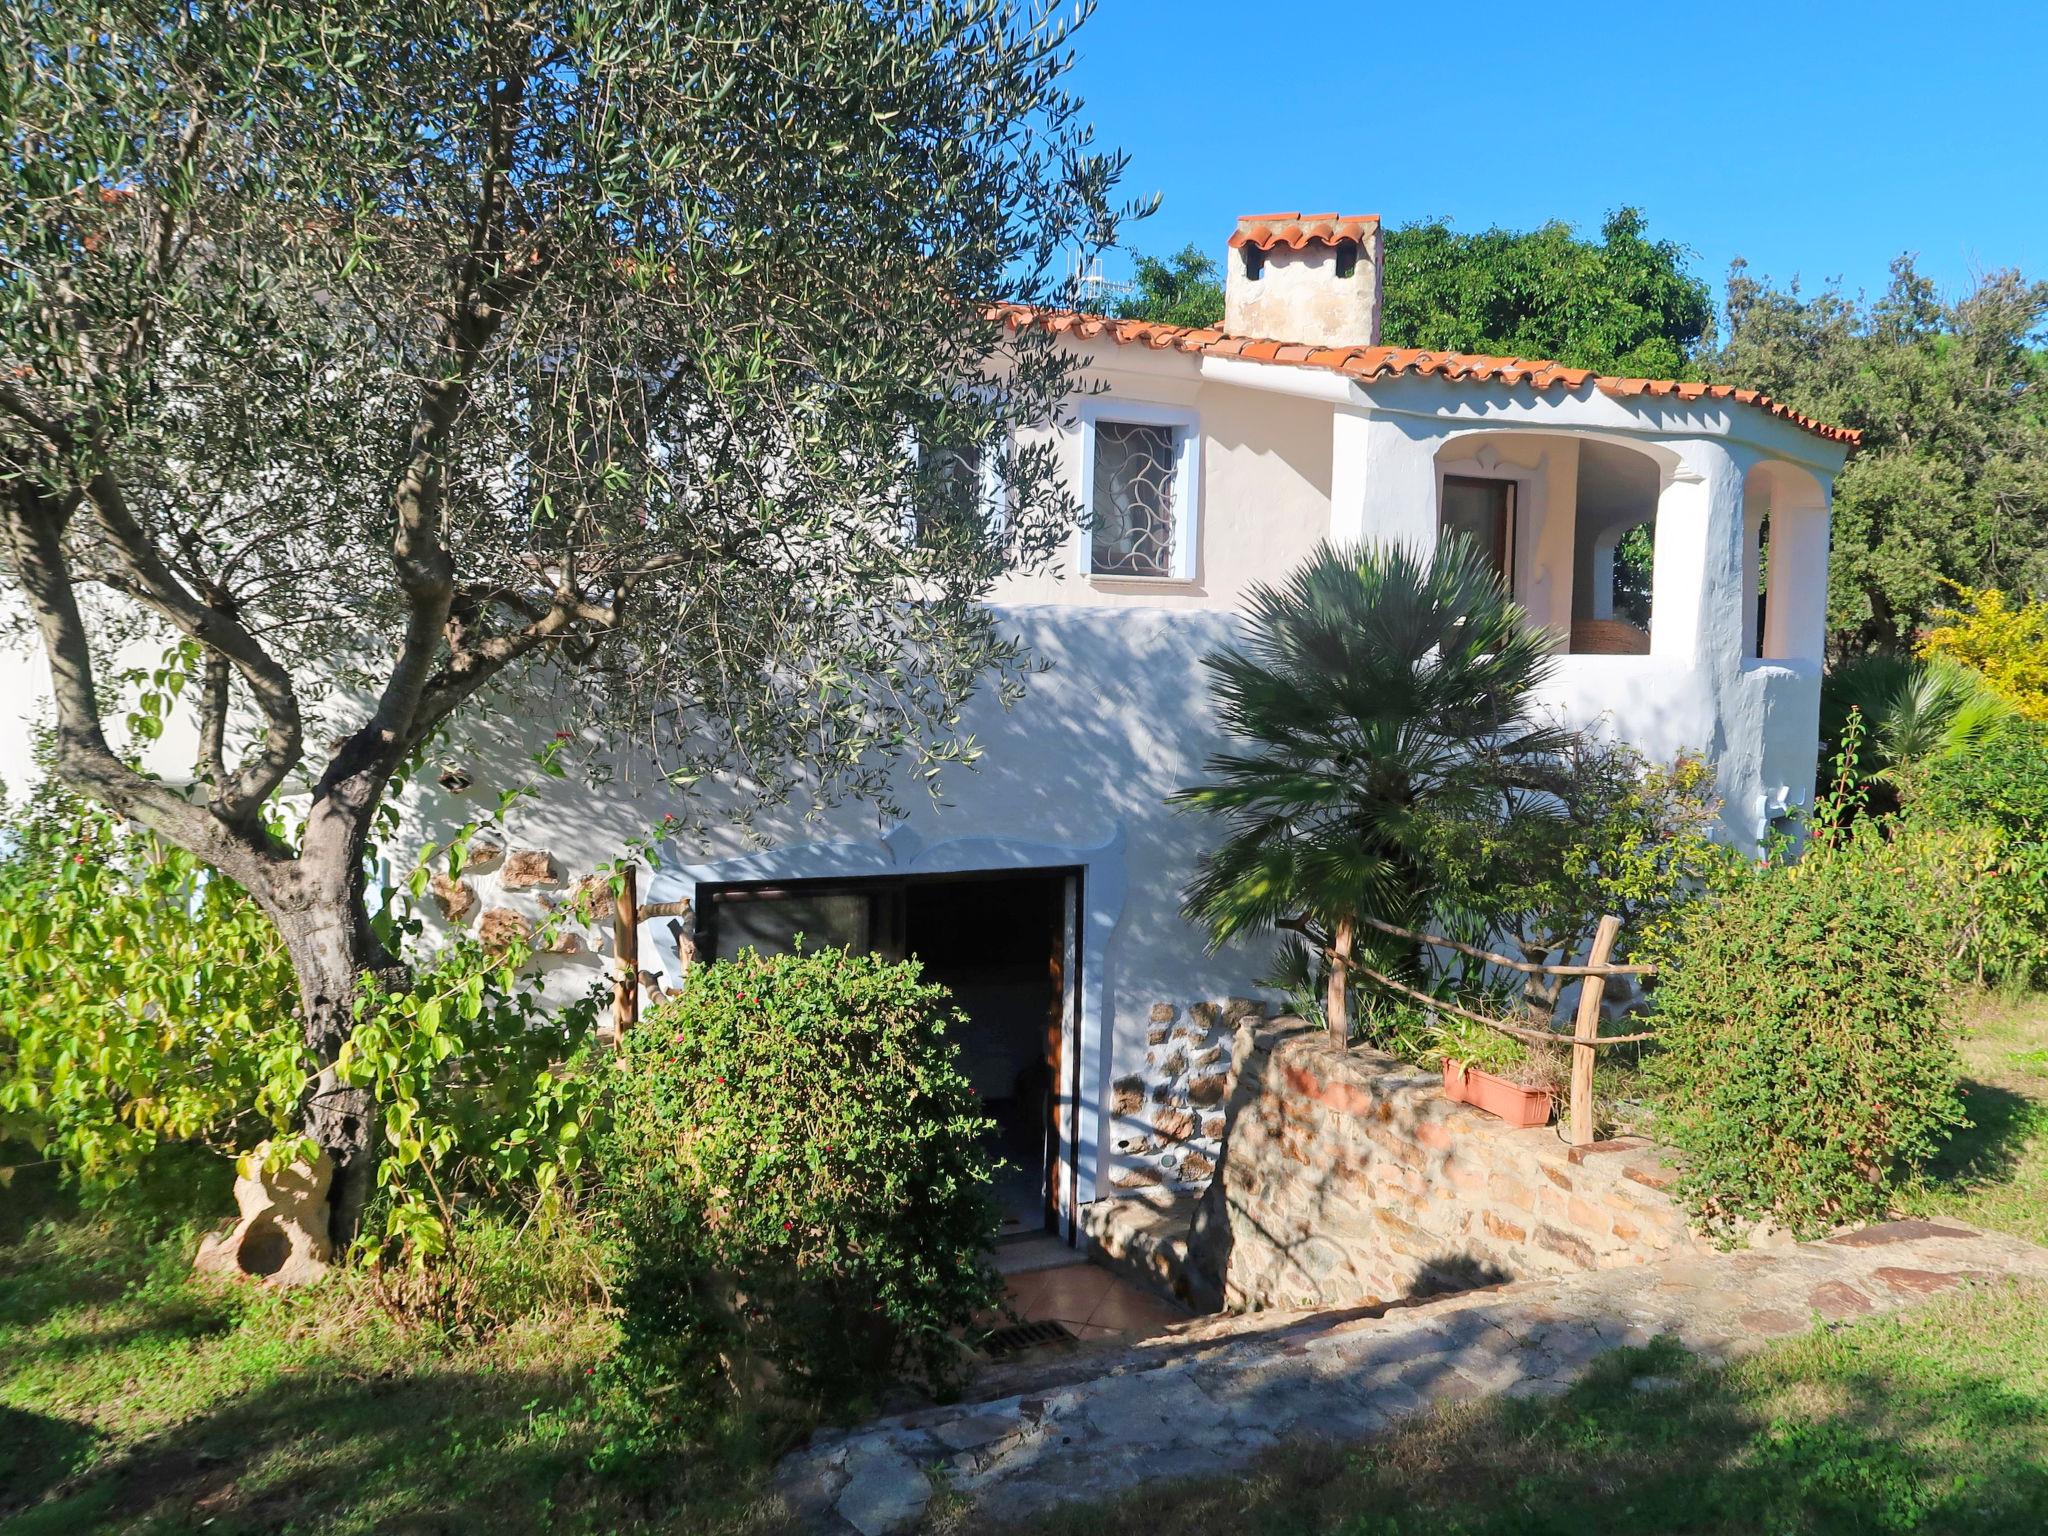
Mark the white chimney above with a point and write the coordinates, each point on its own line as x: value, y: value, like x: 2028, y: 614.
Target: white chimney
x: 1310, y: 277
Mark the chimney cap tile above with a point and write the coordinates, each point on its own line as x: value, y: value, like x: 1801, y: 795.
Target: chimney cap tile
x: 1263, y: 231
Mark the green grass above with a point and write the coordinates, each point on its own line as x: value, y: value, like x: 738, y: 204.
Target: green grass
x: 134, y: 1400
x: 1995, y: 1174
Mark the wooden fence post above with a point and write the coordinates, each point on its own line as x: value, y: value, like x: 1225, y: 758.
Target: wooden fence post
x: 1587, y: 1029
x: 626, y: 954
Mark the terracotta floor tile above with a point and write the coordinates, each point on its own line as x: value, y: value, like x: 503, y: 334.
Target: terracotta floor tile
x: 1071, y: 1295
x: 1023, y: 1291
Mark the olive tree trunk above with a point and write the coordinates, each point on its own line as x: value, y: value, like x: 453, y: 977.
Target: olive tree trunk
x: 333, y: 955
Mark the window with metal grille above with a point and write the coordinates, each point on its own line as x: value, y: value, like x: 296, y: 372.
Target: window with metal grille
x: 1137, y: 466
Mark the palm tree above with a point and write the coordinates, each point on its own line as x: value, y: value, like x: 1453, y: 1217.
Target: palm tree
x: 1376, y: 689
x: 1915, y: 713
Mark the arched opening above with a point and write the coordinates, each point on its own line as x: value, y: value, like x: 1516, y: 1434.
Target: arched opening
x: 1784, y: 564
x: 1614, y: 544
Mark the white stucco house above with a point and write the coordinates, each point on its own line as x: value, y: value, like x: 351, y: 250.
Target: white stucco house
x: 1045, y: 890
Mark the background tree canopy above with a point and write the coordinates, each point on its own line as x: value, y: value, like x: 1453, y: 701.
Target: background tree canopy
x: 1951, y: 483
x: 1621, y: 304
x: 1184, y: 289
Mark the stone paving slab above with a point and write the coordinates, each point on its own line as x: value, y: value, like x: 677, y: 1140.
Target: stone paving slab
x: 1210, y: 1399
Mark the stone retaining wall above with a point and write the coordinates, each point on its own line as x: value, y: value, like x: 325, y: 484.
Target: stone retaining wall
x: 1348, y: 1179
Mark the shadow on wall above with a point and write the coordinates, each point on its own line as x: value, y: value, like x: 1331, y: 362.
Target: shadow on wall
x: 1121, y: 719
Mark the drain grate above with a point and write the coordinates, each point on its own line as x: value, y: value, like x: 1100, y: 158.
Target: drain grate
x: 1022, y: 1336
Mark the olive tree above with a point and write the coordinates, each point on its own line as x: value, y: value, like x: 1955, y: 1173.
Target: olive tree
x: 396, y: 357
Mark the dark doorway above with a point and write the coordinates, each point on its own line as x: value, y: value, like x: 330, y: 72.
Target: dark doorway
x: 995, y: 945
x: 999, y: 943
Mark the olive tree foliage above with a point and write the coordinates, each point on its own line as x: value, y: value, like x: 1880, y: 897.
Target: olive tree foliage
x: 399, y: 355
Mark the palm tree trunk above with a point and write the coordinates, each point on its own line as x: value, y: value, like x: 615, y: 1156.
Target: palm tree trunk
x: 1336, y: 997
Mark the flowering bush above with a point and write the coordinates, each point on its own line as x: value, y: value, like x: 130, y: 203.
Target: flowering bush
x: 2005, y: 641
x: 797, y: 1172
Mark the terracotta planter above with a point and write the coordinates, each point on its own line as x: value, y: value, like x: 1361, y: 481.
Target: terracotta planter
x: 1511, y: 1102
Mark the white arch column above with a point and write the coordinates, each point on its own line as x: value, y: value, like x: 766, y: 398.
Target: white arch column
x: 1796, y: 604
x: 1696, y: 582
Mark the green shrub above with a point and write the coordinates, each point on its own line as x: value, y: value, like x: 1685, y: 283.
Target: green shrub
x: 1804, y: 1064
x: 145, y: 1002
x: 796, y: 1169
x: 2001, y: 793
x: 148, y: 1008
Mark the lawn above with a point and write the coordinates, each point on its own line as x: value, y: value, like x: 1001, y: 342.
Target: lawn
x: 134, y: 1400
x: 1995, y: 1174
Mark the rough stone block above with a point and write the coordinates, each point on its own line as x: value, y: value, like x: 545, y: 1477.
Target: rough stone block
x: 1164, y: 1013
x: 1127, y: 1095
x: 1567, y: 1246
x: 1587, y: 1217
x: 501, y: 928
x: 528, y: 869
x: 455, y: 898
x: 1208, y: 1089
x: 1513, y: 1192
x: 1504, y: 1229
x: 1137, y: 1176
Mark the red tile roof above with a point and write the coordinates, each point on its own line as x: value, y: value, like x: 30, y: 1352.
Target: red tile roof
x: 1294, y: 230
x: 1369, y: 363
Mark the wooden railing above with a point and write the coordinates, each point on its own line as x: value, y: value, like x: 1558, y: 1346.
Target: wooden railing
x: 626, y: 921
x: 1585, y: 1040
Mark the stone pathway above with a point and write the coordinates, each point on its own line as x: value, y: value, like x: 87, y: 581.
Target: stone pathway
x: 1208, y: 1396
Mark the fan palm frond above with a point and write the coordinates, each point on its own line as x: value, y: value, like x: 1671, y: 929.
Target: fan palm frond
x: 1373, y: 689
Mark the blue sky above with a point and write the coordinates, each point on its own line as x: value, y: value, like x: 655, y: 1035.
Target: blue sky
x: 1817, y: 140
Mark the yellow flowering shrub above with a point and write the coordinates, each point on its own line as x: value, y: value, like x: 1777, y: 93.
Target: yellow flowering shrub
x: 2006, y: 641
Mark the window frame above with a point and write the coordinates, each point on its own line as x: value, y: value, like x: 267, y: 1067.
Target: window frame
x: 990, y: 499
x: 1186, y: 425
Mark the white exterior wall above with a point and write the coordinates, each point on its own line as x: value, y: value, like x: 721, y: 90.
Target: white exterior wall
x: 1078, y: 774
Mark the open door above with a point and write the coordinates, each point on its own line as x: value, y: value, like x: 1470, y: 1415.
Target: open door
x: 1063, y: 1036
x: 1006, y: 946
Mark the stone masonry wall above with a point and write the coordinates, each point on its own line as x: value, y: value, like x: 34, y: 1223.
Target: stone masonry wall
x: 1167, y: 1120
x: 1348, y: 1179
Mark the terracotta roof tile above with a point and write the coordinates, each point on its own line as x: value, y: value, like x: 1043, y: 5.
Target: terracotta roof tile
x: 1295, y: 230
x: 1368, y: 363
